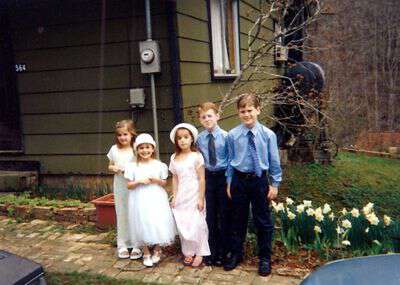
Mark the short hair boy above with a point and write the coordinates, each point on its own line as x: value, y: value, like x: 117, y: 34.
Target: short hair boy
x: 212, y: 144
x: 253, y: 177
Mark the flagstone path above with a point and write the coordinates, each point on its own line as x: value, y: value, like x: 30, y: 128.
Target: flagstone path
x: 62, y: 248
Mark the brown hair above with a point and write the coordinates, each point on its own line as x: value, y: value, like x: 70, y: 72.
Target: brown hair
x: 248, y: 99
x: 128, y: 124
x: 192, y: 145
x: 139, y: 159
x: 207, y: 106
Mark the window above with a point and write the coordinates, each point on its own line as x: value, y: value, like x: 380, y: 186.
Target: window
x: 224, y: 38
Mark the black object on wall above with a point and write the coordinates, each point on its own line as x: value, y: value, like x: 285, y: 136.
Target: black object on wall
x: 10, y: 129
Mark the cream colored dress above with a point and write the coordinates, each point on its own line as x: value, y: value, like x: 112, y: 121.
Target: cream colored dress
x: 121, y: 194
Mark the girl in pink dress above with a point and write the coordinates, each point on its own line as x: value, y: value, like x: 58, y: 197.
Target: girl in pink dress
x: 188, y: 187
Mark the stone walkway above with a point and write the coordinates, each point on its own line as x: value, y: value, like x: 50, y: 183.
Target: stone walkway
x: 61, y: 248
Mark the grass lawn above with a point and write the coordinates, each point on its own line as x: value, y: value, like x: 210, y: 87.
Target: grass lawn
x: 75, y: 278
x: 352, y: 181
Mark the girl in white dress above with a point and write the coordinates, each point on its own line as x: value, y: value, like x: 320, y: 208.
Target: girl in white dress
x: 150, y: 215
x: 119, y: 155
x: 188, y: 186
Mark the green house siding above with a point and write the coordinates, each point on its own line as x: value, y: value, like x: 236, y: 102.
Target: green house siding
x: 80, y: 68
x: 197, y: 85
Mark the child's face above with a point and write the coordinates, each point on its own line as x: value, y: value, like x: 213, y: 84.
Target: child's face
x: 124, y: 137
x: 208, y: 119
x: 248, y: 115
x: 145, y: 151
x: 184, y: 139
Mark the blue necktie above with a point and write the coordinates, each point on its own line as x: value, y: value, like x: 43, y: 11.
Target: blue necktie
x: 253, y: 154
x: 212, y: 157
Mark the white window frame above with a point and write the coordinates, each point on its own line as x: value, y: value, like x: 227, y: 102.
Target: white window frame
x: 220, y: 63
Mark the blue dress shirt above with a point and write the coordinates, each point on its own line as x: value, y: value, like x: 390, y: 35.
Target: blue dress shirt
x: 220, y: 148
x: 239, y: 156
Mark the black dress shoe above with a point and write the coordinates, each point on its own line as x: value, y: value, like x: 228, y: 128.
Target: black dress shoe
x: 232, y: 262
x: 218, y: 261
x: 208, y: 260
x: 264, y: 267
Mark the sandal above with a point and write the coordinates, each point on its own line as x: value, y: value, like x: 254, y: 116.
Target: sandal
x: 156, y: 256
x: 188, y: 260
x: 136, y: 254
x: 147, y: 260
x: 197, y: 261
x: 123, y: 253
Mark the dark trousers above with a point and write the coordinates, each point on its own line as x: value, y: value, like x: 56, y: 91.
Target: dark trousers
x: 246, y: 190
x: 218, y: 213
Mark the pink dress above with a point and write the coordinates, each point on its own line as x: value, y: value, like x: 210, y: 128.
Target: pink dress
x: 191, y: 223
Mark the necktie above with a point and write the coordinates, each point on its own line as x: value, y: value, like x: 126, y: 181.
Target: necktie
x: 253, y: 154
x: 211, y: 150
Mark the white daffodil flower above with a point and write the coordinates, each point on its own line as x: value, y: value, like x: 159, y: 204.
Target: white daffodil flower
x: 300, y: 208
x: 310, y: 212
x: 346, y: 242
x: 355, y: 213
x: 387, y: 220
x: 372, y: 219
x: 291, y: 215
x: 368, y: 208
x: 326, y: 209
x: 289, y: 201
x: 346, y: 224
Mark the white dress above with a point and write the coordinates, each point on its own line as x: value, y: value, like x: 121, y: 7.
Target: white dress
x: 121, y: 158
x: 150, y: 215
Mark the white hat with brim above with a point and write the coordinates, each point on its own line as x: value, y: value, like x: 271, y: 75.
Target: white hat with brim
x: 144, y: 138
x: 187, y: 126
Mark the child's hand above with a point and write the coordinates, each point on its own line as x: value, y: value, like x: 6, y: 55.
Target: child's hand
x: 272, y: 193
x: 116, y: 169
x: 200, y: 204
x: 131, y: 185
x: 145, y: 181
x: 173, y: 202
x: 228, y: 191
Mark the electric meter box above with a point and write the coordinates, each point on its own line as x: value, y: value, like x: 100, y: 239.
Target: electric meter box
x: 150, y: 60
x: 136, y: 98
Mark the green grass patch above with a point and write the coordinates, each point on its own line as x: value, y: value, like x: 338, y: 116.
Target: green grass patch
x: 351, y: 181
x: 26, y: 199
x: 76, y: 278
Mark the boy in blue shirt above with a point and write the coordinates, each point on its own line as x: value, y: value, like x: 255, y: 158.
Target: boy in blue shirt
x: 212, y: 144
x: 253, y: 177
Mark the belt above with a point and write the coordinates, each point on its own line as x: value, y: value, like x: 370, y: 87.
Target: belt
x: 215, y: 173
x: 249, y: 175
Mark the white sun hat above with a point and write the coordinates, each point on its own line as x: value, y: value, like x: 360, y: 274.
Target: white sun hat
x: 187, y: 126
x: 144, y: 138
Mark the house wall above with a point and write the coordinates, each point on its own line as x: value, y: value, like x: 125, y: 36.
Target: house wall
x: 80, y: 67
x: 197, y: 85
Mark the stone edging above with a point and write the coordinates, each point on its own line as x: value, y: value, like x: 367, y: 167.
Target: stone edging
x: 371, y: 153
x: 76, y: 215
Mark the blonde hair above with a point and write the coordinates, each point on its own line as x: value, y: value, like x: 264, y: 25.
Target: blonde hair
x: 207, y: 106
x: 250, y: 99
x: 178, y: 150
x: 129, y: 125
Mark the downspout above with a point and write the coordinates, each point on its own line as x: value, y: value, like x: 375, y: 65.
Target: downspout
x: 152, y: 83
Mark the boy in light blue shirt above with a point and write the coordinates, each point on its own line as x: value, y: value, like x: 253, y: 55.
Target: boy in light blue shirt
x: 253, y: 177
x: 212, y: 144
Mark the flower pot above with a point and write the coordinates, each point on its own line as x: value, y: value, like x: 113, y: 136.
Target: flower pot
x: 105, y: 211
